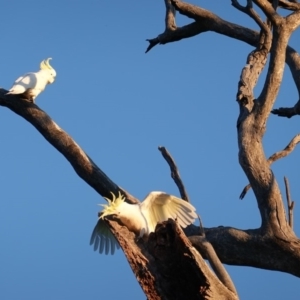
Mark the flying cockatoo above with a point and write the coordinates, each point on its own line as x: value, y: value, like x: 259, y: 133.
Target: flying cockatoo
x: 32, y: 84
x: 141, y: 218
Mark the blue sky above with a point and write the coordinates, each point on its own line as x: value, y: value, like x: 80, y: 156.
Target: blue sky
x: 120, y: 104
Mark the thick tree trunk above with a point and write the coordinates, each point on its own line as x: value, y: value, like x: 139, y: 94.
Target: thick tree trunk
x: 167, y: 266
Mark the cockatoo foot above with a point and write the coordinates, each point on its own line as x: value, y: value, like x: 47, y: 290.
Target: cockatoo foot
x: 28, y: 99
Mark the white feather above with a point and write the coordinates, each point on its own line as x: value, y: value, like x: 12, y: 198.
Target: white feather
x: 102, y: 238
x: 142, y: 218
x: 33, y: 83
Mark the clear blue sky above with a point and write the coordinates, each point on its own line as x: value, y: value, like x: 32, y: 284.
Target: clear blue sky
x: 120, y: 104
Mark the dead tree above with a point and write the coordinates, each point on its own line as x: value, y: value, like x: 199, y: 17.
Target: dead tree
x: 168, y: 253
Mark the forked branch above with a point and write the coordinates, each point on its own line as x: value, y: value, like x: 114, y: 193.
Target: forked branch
x: 256, y: 61
x: 207, y: 21
x: 200, y: 241
x: 248, y: 9
x: 274, y: 157
x: 170, y: 25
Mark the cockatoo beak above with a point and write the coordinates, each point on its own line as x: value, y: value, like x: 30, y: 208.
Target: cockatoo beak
x: 51, y: 80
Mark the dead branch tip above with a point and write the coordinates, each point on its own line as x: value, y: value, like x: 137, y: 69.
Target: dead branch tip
x: 244, y: 191
x: 152, y: 43
x: 174, y: 172
x: 290, y: 203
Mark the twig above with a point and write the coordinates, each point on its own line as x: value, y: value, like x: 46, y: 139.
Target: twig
x: 177, y: 34
x: 174, y: 173
x: 286, y: 151
x: 201, y: 228
x: 287, y: 112
x: 290, y: 203
x: 203, y: 245
x: 152, y: 43
x: 277, y: 155
x: 244, y: 191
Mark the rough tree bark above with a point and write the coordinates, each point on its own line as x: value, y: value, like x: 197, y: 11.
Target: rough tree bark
x: 168, y: 253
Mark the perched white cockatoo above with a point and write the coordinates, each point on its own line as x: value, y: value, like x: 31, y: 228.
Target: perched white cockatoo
x: 141, y: 218
x: 32, y: 84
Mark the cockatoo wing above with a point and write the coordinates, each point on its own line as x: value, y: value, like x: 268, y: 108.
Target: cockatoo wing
x: 103, y: 239
x: 23, y: 83
x: 158, y: 207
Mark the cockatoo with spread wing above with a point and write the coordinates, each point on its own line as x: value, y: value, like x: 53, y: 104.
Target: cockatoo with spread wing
x: 32, y: 84
x: 141, y: 218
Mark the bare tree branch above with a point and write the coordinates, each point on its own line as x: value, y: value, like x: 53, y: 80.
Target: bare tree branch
x: 287, y: 111
x: 286, y: 151
x: 202, y: 245
x: 150, y: 273
x: 178, y: 34
x: 290, y: 203
x: 293, y: 20
x: 252, y: 247
x: 293, y: 61
x: 281, y: 34
x: 201, y: 228
x: 174, y: 173
x: 244, y: 191
x: 170, y: 16
x: 207, y: 21
x: 277, y: 155
x: 252, y: 125
x: 58, y: 138
x: 170, y: 25
x: 290, y: 5
x: 248, y: 9
x: 256, y: 61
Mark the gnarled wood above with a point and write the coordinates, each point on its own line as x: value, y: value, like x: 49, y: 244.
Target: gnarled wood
x: 166, y: 258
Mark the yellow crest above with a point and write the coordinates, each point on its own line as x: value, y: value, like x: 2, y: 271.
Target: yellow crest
x: 111, y: 207
x: 45, y: 64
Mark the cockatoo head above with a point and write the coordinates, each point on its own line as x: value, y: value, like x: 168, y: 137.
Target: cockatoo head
x: 45, y: 66
x: 113, y: 206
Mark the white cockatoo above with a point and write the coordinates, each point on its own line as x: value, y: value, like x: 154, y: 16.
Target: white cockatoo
x: 141, y: 218
x: 32, y: 84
